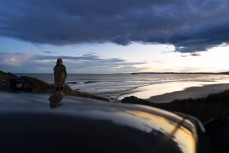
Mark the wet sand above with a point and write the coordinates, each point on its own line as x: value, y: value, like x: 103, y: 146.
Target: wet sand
x: 192, y: 92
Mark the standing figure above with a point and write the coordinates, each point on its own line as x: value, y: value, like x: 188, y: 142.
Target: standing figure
x: 60, y: 75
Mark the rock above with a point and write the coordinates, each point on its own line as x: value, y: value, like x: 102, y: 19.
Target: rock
x: 16, y: 83
x: 136, y: 100
x: 10, y: 82
x: 35, y: 85
x: 27, y: 87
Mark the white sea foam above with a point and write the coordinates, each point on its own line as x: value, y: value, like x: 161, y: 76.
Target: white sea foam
x: 108, y: 87
x: 116, y: 86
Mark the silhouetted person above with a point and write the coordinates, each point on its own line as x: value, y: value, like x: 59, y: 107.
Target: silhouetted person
x: 60, y: 74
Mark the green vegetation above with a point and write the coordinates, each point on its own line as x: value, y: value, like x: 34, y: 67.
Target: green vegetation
x: 6, y: 76
x: 35, y: 85
x: 38, y: 86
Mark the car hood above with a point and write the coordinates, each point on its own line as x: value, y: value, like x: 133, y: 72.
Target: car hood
x: 28, y: 120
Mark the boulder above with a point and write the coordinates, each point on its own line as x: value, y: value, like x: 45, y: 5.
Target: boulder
x: 136, y: 100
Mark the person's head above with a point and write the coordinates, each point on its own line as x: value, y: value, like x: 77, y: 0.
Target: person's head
x: 59, y: 61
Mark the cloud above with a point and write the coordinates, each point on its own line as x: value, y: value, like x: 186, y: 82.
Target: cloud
x: 195, y: 54
x: 92, y: 63
x: 189, y: 25
x: 49, y: 52
x: 190, y: 54
x: 14, y: 59
x: 88, y: 63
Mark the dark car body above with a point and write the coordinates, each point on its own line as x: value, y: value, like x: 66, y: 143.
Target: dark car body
x: 28, y: 124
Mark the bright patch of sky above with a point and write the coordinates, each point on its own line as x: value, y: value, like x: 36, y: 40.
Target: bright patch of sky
x: 19, y: 56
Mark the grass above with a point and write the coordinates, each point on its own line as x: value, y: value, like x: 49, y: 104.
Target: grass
x: 6, y: 76
x: 35, y: 85
x: 38, y: 86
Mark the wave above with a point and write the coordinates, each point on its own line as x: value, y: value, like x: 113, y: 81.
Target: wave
x: 114, y: 85
x: 111, y: 89
x: 73, y: 82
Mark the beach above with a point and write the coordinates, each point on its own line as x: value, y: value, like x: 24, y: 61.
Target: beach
x: 157, y: 88
x: 169, y: 91
x: 195, y: 92
x: 192, y: 92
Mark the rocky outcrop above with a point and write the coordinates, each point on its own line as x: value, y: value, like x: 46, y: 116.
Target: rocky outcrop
x: 6, y: 76
x: 70, y: 92
x: 10, y: 82
x: 136, y: 100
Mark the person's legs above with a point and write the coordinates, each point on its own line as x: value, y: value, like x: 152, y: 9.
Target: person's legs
x: 61, y: 90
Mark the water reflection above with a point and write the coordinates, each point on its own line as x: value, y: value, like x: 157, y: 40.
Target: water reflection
x: 55, y: 100
x: 131, y: 126
x: 154, y: 125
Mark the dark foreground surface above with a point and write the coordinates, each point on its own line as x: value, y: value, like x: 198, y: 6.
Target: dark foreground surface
x: 29, y: 124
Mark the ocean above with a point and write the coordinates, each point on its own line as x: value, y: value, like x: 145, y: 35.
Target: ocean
x: 118, y: 86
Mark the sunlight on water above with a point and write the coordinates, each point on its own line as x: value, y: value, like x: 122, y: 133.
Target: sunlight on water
x: 118, y: 86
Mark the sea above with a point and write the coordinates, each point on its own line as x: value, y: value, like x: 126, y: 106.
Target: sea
x: 117, y: 86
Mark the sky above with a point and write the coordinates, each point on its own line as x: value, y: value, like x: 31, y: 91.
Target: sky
x: 114, y: 36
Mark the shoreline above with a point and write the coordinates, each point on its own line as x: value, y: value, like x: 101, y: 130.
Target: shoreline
x: 190, y: 92
x: 193, y: 92
x: 155, y: 93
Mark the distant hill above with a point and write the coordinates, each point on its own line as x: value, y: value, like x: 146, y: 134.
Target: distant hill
x: 180, y: 73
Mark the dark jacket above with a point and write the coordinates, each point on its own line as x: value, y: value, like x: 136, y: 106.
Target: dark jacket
x: 60, y: 74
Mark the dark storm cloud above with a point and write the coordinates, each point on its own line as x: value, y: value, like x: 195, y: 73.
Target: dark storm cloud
x: 189, y: 25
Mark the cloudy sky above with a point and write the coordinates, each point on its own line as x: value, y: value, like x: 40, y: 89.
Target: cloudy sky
x: 114, y: 36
